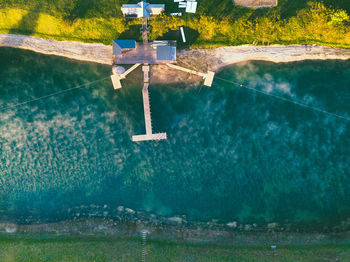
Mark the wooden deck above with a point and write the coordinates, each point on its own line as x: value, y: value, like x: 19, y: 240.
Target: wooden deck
x: 145, y: 70
x: 143, y: 53
x: 209, y: 78
x: 116, y: 81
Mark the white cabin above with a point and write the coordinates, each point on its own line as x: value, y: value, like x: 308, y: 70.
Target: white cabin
x: 142, y: 9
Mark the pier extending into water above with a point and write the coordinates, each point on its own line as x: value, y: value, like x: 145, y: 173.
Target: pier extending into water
x: 158, y: 52
x: 208, y: 77
x: 147, y: 111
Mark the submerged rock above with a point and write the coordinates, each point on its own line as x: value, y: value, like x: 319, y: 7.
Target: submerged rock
x: 232, y: 224
x: 247, y: 227
x: 272, y: 225
x: 175, y: 219
x: 129, y: 210
x: 10, y: 229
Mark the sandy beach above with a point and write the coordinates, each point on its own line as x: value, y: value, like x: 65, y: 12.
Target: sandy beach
x: 199, y: 59
x: 96, y: 53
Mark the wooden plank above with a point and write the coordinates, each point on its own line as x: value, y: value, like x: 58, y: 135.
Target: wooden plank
x: 129, y: 70
x: 209, y: 79
x: 158, y: 136
x: 147, y: 109
x: 186, y: 70
x: 116, y: 82
x: 145, y: 70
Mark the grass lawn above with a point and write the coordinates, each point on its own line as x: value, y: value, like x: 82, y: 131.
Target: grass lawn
x: 217, y: 23
x: 87, y: 249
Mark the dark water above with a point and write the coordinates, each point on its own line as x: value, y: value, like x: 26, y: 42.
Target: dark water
x: 232, y: 154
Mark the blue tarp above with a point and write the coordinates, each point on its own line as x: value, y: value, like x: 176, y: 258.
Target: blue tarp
x: 119, y: 45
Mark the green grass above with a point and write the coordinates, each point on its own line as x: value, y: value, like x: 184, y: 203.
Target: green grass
x: 129, y: 249
x: 217, y: 23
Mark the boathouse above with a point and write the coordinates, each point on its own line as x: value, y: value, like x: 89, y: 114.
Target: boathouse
x: 157, y: 52
x: 123, y: 45
x: 142, y: 9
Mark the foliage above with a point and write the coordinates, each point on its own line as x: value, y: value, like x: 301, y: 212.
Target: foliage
x: 44, y: 25
x: 339, y: 17
x: 216, y: 24
x: 206, y: 27
x: 162, y: 24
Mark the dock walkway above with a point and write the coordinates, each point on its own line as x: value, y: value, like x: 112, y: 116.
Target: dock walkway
x: 208, y: 77
x: 147, y: 111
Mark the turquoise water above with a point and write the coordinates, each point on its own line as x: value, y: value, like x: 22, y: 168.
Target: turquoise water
x: 231, y: 154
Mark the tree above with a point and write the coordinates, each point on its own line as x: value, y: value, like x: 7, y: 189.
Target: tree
x: 339, y: 17
x: 206, y: 27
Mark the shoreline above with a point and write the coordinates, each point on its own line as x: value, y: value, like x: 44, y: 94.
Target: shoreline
x: 122, y: 221
x: 96, y: 53
x: 199, y: 59
x: 217, y: 58
x: 172, y: 232
x: 177, y: 227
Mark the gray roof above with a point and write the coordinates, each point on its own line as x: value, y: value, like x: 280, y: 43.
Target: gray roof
x: 166, y: 53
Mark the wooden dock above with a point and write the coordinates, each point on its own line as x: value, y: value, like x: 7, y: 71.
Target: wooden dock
x: 129, y: 71
x: 145, y: 70
x: 117, y: 78
x: 116, y: 81
x: 186, y: 70
x: 208, y: 77
x: 147, y: 111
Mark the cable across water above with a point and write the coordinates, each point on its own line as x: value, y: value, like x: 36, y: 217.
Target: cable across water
x: 53, y: 94
x: 285, y: 99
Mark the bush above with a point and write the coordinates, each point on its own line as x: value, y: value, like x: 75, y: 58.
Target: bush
x: 83, y: 20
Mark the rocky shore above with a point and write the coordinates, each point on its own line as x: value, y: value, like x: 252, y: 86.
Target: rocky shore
x: 122, y: 221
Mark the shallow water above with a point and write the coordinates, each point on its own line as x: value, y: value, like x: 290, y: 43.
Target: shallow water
x: 231, y: 154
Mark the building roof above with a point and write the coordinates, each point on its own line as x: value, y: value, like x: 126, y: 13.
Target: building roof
x: 166, y: 53
x: 142, y: 9
x: 191, y: 7
x: 125, y: 44
x: 119, y: 45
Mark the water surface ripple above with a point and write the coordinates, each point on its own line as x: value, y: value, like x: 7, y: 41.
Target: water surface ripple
x: 231, y: 154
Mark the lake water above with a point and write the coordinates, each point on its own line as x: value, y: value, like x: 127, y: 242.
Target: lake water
x: 231, y: 154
